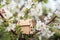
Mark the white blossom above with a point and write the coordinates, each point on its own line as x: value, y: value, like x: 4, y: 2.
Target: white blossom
x: 49, y: 15
x: 7, y: 14
x: 11, y: 27
x: 58, y: 12
x: 44, y: 30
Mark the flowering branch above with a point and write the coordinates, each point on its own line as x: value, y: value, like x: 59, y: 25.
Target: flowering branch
x: 46, y: 24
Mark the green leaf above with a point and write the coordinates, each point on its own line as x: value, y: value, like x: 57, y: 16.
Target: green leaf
x: 57, y: 31
x: 0, y: 1
x: 54, y: 37
x: 26, y: 10
x: 51, y: 25
x: 10, y: 18
x: 18, y: 29
x: 1, y: 6
x: 7, y: 1
x: 28, y: 16
x: 34, y: 6
x: 37, y: 0
x: 15, y: 14
x: 45, y: 11
x: 34, y: 0
x: 36, y: 37
x: 26, y: 37
x: 43, y: 38
x: 21, y: 17
x: 5, y: 24
x: 45, y: 1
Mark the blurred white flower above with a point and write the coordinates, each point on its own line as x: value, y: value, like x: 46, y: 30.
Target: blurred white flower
x: 11, y: 27
x: 51, y: 4
x: 12, y: 5
x: 57, y: 25
x: 46, y: 20
x: 57, y: 13
x: 40, y: 37
x: 3, y: 2
x: 7, y: 14
x: 43, y: 29
x: 22, y: 2
x: 49, y: 15
x: 21, y: 14
x: 28, y: 4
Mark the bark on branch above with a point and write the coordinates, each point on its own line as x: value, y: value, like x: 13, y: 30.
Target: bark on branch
x: 51, y: 20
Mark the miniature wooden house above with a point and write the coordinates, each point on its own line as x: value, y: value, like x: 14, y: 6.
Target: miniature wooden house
x: 27, y: 26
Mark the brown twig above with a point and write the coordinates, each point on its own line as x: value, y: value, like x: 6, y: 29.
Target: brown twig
x: 14, y: 32
x: 1, y: 15
x: 51, y: 20
x: 22, y: 7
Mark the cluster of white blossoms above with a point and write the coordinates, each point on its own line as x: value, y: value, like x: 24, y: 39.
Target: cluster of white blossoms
x: 36, y: 10
x: 44, y: 30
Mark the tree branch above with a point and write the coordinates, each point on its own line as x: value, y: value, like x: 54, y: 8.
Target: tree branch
x: 51, y: 20
x: 1, y: 15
